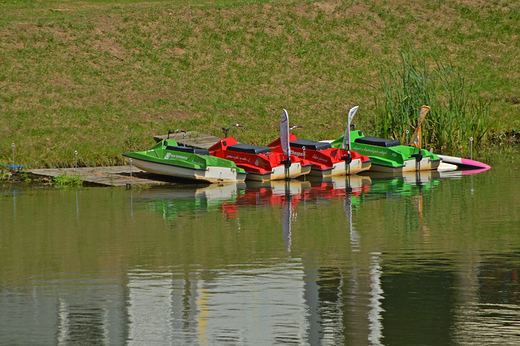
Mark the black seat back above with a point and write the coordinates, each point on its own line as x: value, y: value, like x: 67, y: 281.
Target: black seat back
x: 249, y: 148
x: 188, y: 150
x: 380, y: 142
x: 311, y: 145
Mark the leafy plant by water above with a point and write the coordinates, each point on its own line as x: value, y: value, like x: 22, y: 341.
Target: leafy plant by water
x: 64, y: 180
x: 5, y: 175
x: 456, y: 114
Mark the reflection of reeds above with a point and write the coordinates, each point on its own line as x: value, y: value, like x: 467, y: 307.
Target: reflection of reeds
x: 455, y: 116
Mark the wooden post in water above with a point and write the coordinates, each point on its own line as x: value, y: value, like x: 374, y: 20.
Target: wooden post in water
x: 129, y: 185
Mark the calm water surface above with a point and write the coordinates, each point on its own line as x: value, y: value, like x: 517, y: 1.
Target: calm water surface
x: 427, y: 259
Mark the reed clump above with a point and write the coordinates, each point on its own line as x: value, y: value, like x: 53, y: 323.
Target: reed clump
x: 457, y: 116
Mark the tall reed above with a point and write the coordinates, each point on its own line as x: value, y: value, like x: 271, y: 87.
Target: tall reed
x: 456, y: 115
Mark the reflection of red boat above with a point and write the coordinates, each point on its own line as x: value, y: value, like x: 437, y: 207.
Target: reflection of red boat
x: 326, y: 161
x: 336, y: 187
x: 274, y: 193
x: 281, y: 193
x: 260, y: 162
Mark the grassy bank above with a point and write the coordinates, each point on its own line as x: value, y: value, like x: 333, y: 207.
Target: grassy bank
x: 101, y: 77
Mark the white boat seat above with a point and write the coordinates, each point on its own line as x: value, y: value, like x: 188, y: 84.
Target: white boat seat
x: 249, y: 148
x: 311, y: 145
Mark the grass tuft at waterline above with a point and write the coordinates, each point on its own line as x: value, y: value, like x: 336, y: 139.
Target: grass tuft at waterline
x: 65, y: 181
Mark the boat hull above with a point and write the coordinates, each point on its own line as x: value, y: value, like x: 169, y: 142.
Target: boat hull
x: 409, y: 166
x: 210, y: 174
x: 463, y: 163
x: 341, y: 168
x: 279, y: 173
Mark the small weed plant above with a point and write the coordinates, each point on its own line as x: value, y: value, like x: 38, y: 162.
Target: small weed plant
x: 64, y: 181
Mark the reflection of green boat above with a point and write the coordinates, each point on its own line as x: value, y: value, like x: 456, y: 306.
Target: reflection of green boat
x: 389, y: 155
x: 173, y: 202
x: 168, y: 158
x: 404, y: 184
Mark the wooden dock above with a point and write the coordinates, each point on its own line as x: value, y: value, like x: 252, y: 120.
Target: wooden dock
x: 103, y: 176
x: 192, y: 139
x: 127, y: 175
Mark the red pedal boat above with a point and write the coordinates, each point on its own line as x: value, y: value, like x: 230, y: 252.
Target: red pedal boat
x: 259, y: 162
x: 326, y: 160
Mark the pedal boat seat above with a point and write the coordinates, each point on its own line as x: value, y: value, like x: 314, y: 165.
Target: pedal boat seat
x: 380, y: 142
x: 249, y: 148
x: 187, y: 149
x: 311, y: 145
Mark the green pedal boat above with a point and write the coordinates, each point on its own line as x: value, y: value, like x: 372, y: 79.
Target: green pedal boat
x: 168, y: 158
x: 389, y: 155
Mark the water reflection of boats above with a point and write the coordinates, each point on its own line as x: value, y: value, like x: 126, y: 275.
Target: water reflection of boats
x: 279, y: 187
x: 404, y: 183
x: 340, y: 186
x: 172, y: 201
x: 196, y: 199
x: 312, y: 188
x: 285, y: 194
x: 275, y: 192
x: 289, y: 194
x: 229, y: 198
x: 461, y: 173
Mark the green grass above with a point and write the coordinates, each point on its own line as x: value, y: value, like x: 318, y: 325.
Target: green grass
x: 101, y: 77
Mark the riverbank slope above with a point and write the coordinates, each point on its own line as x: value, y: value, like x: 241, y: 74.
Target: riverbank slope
x: 101, y: 78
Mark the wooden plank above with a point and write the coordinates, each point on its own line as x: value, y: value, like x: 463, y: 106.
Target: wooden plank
x: 193, y: 139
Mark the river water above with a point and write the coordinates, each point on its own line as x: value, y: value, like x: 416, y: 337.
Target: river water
x: 373, y: 260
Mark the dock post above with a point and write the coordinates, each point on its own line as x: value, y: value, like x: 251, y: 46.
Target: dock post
x: 127, y: 186
x: 76, y: 165
x: 13, y: 145
x: 471, y: 148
